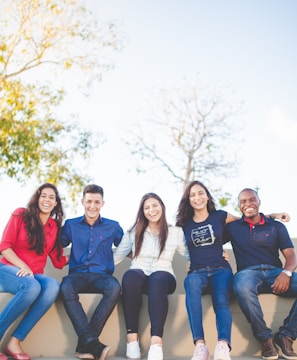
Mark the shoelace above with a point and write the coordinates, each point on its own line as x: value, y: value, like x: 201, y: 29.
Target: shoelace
x: 222, y: 347
x: 266, y: 347
x: 200, y: 349
x: 156, y: 349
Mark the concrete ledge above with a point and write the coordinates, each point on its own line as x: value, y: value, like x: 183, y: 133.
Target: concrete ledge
x: 54, y: 336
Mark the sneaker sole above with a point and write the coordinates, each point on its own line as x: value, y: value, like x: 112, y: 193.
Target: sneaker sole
x: 84, y: 356
x: 104, y: 353
x: 207, y: 358
x: 272, y: 357
x: 284, y: 355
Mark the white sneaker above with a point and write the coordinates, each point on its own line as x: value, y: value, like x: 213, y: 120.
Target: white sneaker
x: 133, y: 350
x: 222, y: 351
x: 155, y: 352
x: 200, y: 352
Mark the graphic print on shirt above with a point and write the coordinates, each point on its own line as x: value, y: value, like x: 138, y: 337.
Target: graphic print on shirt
x: 203, y: 235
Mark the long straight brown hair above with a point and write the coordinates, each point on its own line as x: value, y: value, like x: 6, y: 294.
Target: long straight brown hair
x: 185, y: 211
x: 141, y: 223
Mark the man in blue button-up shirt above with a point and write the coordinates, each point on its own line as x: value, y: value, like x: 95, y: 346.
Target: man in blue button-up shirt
x: 90, y: 271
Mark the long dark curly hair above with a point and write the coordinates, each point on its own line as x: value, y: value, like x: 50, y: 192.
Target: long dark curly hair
x: 33, y: 222
x: 185, y: 211
x: 141, y: 224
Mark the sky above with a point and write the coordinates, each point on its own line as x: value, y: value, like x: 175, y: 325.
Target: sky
x: 248, y: 46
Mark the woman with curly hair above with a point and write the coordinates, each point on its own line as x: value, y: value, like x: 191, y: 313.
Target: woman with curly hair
x: 30, y: 236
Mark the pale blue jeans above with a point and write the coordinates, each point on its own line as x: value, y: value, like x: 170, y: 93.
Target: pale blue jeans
x: 33, y: 296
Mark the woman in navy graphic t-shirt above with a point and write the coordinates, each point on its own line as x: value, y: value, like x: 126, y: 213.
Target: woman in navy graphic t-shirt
x: 210, y: 272
x: 203, y: 228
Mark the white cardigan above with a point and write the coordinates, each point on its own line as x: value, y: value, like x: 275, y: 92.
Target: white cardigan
x: 148, y: 259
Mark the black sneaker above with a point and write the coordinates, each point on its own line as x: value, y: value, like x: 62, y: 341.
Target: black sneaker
x: 269, y: 351
x: 285, y: 347
x: 97, y: 349
x: 81, y: 351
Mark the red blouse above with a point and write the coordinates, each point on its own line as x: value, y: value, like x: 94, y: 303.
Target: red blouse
x: 15, y: 237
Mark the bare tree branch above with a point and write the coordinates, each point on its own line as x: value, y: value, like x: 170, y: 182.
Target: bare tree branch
x: 191, y: 136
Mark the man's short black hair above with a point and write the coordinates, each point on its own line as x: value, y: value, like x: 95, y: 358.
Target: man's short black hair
x: 94, y: 189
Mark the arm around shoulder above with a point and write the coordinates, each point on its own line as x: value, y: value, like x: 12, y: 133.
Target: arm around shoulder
x: 124, y: 248
x: 181, y: 244
x: 231, y: 218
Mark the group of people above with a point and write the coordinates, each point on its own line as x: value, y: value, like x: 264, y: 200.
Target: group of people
x: 98, y: 244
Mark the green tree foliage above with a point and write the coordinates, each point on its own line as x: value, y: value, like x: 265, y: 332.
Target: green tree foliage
x: 40, y: 41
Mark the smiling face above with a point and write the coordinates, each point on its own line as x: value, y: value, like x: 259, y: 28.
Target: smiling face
x: 249, y: 203
x: 92, y: 203
x: 198, y: 198
x: 47, y: 201
x: 152, y: 210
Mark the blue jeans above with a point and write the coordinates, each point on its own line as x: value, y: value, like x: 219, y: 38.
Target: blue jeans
x: 94, y: 283
x: 157, y: 286
x: 217, y: 281
x: 255, y: 280
x: 33, y: 295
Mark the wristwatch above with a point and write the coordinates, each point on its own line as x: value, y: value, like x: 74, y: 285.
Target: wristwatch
x: 287, y: 272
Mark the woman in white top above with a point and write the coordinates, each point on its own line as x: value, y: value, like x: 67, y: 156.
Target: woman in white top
x: 152, y: 244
